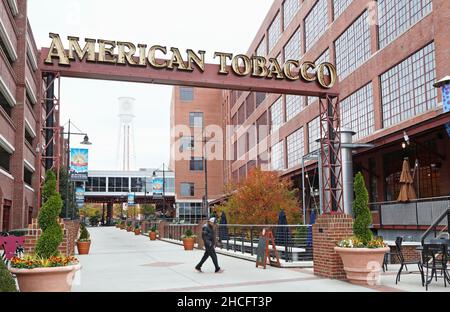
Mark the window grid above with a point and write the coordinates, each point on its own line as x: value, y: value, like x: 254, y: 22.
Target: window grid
x: 340, y: 6
x: 276, y: 115
x: 407, y: 89
x: 353, y: 46
x: 292, y: 48
x: 294, y: 105
x: 313, y: 134
x: 290, y: 8
x: 395, y: 17
x: 186, y: 94
x: 316, y: 23
x: 261, y: 50
x: 187, y: 189
x: 295, y: 149
x: 357, y: 112
x: 196, y: 120
x: 277, y: 156
x: 324, y: 57
x: 274, y: 32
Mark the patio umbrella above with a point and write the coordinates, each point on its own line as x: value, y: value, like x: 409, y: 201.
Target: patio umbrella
x: 312, y: 220
x: 223, y: 230
x: 407, y: 192
x: 282, y: 235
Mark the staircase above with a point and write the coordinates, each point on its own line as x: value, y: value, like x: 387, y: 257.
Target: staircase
x: 433, y: 228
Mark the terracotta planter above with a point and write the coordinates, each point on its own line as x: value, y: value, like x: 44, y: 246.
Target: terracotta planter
x: 188, y: 243
x: 83, y: 248
x: 129, y: 229
x: 152, y: 235
x: 57, y: 279
x: 362, y: 265
x: 137, y: 232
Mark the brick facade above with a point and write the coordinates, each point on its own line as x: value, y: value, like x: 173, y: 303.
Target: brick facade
x: 327, y: 231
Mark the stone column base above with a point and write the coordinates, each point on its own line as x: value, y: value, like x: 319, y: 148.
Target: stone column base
x: 328, y: 230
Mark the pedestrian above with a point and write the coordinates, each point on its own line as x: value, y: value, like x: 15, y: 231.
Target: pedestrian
x: 209, y: 239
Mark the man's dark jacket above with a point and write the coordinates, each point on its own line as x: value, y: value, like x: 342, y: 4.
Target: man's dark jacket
x: 208, y: 236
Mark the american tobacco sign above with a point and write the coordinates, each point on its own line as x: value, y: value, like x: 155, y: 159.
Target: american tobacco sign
x: 128, y: 54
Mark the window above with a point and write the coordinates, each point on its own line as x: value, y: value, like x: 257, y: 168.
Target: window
x: 395, y: 17
x: 5, y: 105
x: 290, y: 8
x: 277, y: 156
x: 186, y: 143
x: 353, y: 46
x: 138, y: 185
x: 339, y: 6
x: 316, y: 23
x: 294, y: 105
x: 186, y: 94
x: 249, y: 105
x: 28, y: 137
x: 407, y: 89
x: 6, y: 214
x: 276, y: 115
x: 196, y: 164
x: 242, y: 145
x: 314, y: 134
x: 118, y: 185
x: 241, y: 114
x: 27, y: 176
x: 292, y: 48
x: 5, y: 159
x: 187, y: 189
x: 196, y: 120
x: 357, y: 112
x: 274, y: 32
x: 96, y: 184
x: 295, y: 150
x: 260, y: 97
x: 263, y: 128
x: 190, y: 211
x: 261, y: 50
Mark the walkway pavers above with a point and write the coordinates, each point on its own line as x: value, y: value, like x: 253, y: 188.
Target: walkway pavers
x: 121, y: 261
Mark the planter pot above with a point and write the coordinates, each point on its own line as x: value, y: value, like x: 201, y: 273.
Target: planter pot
x: 57, y: 279
x: 137, y: 232
x: 129, y: 229
x: 83, y: 248
x: 152, y: 235
x: 362, y: 265
x: 188, y: 243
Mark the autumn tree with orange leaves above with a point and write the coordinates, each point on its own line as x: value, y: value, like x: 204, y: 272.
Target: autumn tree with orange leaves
x: 260, y: 198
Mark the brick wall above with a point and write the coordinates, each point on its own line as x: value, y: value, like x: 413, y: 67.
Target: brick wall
x: 67, y: 247
x: 327, y: 231
x: 409, y: 253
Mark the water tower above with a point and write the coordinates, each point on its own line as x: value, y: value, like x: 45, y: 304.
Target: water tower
x: 126, y: 146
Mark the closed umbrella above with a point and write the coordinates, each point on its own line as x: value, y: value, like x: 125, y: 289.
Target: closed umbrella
x: 407, y: 192
x: 282, y: 235
x: 223, y: 230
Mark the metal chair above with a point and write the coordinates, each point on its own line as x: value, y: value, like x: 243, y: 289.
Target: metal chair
x: 398, y: 242
x: 403, y: 262
x: 435, y: 258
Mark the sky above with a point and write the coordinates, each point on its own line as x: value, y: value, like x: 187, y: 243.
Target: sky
x: 92, y: 105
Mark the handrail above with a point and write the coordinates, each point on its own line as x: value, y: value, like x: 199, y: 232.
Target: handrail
x: 417, y: 200
x: 435, y: 223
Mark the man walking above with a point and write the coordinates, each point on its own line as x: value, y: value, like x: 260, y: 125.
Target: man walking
x: 210, y: 242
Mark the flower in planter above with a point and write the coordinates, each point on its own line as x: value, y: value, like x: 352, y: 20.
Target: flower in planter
x: 154, y: 229
x: 188, y: 234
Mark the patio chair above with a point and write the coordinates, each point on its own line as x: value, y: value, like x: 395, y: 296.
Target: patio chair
x: 403, y: 262
x: 435, y: 258
x: 398, y: 242
x: 12, y: 246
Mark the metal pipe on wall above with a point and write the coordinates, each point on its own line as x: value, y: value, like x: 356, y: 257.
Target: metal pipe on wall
x: 347, y: 169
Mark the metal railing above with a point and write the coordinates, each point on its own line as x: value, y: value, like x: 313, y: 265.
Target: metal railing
x: 418, y: 212
x: 433, y: 227
x: 174, y: 231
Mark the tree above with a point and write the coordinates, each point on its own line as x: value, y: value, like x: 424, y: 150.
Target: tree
x: 363, y: 218
x: 7, y: 283
x: 52, y: 234
x: 260, y: 198
x: 148, y: 210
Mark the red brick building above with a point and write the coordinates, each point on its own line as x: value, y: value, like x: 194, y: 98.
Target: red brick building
x: 20, y: 117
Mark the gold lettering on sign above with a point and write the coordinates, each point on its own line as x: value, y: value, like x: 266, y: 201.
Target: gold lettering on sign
x: 304, y: 71
x: 176, y: 60
x: 288, y: 70
x: 152, y: 56
x: 223, y: 61
x: 194, y: 58
x: 57, y: 51
x: 275, y: 69
x: 126, y: 56
x: 244, y: 70
x: 259, y: 67
x: 104, y: 51
x: 88, y: 49
x: 321, y: 75
x: 142, y: 56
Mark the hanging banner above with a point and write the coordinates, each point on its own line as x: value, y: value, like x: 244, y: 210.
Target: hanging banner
x: 157, y: 187
x: 446, y: 104
x: 130, y: 199
x: 79, y: 196
x: 79, y: 164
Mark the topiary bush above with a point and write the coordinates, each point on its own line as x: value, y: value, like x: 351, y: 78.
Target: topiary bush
x: 52, y: 234
x: 363, y: 218
x: 7, y: 283
x: 84, y: 234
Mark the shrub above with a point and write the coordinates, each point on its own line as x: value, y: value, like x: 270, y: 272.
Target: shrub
x: 7, y: 283
x: 52, y: 234
x: 363, y: 218
x: 84, y: 234
x: 188, y: 234
x: 154, y: 229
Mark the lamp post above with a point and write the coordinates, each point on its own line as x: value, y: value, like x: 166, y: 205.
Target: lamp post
x: 164, y: 188
x: 84, y: 142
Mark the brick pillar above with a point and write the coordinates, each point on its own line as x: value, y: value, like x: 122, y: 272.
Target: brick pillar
x: 161, y: 227
x: 327, y: 231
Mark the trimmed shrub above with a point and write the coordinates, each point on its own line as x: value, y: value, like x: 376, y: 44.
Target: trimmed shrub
x: 52, y: 234
x: 7, y: 283
x: 84, y: 234
x: 363, y: 218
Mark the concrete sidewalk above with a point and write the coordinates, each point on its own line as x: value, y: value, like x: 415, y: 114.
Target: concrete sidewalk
x: 121, y: 261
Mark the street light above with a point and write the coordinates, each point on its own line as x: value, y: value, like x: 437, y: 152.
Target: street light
x: 84, y: 142
x: 164, y: 188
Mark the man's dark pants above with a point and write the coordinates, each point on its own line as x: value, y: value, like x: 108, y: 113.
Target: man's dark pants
x: 209, y: 252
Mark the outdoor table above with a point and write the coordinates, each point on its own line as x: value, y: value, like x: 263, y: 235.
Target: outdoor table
x: 439, y: 241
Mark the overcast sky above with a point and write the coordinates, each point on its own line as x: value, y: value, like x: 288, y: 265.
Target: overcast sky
x: 92, y: 105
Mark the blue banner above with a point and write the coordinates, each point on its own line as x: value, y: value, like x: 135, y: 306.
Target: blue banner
x: 157, y: 187
x: 79, y: 164
x: 130, y: 199
x: 446, y: 104
x: 79, y: 196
